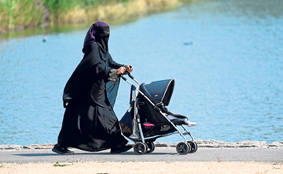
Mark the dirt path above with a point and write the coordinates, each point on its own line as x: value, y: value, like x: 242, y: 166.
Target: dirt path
x: 143, y: 167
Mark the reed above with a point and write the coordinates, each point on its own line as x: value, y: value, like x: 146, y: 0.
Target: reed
x: 114, y: 11
x: 20, y: 14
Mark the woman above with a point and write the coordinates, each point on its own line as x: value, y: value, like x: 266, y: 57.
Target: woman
x: 89, y: 121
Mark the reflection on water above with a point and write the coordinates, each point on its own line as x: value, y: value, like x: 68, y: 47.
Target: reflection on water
x: 225, y: 55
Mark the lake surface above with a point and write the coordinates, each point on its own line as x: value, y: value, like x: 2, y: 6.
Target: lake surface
x: 225, y: 55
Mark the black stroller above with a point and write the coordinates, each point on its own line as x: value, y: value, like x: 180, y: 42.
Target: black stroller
x: 148, y: 118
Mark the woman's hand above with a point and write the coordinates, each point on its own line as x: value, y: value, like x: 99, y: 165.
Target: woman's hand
x: 121, y: 70
x: 130, y: 68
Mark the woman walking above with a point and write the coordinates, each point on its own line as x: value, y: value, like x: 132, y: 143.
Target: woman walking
x: 89, y: 121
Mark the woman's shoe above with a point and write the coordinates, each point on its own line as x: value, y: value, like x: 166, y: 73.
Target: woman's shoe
x: 120, y: 149
x: 62, y: 150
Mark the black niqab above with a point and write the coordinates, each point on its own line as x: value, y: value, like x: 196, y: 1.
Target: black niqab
x: 99, y: 32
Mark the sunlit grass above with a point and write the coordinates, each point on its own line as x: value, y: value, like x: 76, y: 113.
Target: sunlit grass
x: 114, y: 11
x: 17, y: 15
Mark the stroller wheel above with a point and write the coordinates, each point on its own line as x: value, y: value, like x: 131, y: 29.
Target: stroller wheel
x: 183, y: 148
x: 194, y: 146
x: 140, y: 148
x: 150, y: 147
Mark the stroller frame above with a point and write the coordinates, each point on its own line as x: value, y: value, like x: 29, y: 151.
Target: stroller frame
x: 145, y: 144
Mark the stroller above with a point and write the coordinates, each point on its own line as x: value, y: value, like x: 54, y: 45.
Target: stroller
x: 148, y: 118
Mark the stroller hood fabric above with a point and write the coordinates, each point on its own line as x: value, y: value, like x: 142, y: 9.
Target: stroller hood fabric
x: 159, y: 91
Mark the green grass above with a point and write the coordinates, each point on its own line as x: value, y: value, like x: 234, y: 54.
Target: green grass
x: 17, y: 15
x: 20, y: 14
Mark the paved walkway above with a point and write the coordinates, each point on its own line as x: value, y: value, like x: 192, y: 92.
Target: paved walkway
x: 160, y: 154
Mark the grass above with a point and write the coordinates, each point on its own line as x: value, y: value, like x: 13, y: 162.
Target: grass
x: 16, y: 15
x: 114, y: 11
x: 20, y: 14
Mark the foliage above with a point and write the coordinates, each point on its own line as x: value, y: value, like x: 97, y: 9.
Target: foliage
x: 20, y: 14
x: 23, y: 13
x: 64, y: 5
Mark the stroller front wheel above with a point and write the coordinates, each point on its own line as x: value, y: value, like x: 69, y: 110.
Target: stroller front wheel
x: 140, y: 148
x: 183, y: 148
x: 194, y: 146
x: 150, y: 147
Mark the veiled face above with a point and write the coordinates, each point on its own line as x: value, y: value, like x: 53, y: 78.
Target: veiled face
x: 99, y: 32
x: 103, y: 34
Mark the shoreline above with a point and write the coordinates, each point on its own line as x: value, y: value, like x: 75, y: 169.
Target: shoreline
x: 200, y: 143
x: 111, y: 12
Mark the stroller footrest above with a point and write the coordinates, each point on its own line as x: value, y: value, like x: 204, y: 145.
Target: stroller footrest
x: 180, y: 120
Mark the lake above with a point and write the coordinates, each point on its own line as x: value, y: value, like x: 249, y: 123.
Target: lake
x: 225, y: 55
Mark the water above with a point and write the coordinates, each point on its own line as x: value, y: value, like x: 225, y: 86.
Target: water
x: 225, y: 55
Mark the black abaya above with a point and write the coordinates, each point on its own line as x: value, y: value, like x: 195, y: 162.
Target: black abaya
x: 89, y: 121
x: 89, y: 126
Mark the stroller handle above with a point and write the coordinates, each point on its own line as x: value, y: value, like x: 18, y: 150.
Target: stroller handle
x: 124, y: 78
x: 130, y: 75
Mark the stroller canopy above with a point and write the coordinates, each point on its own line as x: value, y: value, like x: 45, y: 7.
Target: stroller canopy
x: 159, y: 91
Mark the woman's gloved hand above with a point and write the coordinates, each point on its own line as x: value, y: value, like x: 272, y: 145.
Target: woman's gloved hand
x: 121, y: 70
x: 129, y: 68
x: 114, y: 73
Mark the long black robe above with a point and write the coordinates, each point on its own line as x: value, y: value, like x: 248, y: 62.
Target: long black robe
x: 89, y: 121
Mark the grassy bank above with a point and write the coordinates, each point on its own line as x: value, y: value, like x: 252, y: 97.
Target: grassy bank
x: 18, y: 15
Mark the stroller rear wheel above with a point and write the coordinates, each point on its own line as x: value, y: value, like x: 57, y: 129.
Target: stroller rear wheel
x: 183, y: 148
x: 194, y: 146
x: 150, y: 147
x: 140, y: 148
